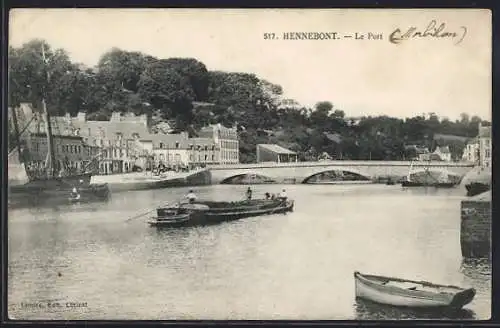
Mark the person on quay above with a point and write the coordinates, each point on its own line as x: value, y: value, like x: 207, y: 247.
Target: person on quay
x: 191, y: 197
x: 249, y: 193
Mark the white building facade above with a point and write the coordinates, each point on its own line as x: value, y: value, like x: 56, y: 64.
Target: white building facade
x: 484, y: 145
x: 226, y: 140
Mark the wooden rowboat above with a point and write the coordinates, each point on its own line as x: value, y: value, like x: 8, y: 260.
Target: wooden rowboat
x: 409, y: 293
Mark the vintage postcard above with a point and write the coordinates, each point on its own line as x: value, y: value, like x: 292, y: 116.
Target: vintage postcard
x: 249, y: 164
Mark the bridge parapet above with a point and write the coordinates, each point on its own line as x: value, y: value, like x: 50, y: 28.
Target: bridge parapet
x: 300, y: 171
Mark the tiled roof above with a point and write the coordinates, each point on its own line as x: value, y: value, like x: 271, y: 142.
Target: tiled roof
x: 276, y: 149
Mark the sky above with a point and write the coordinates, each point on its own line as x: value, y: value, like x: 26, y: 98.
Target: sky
x: 369, y: 76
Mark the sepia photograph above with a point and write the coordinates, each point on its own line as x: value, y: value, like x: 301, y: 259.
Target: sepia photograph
x: 249, y: 164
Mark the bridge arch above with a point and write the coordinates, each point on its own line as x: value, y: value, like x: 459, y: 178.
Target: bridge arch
x: 248, y: 177
x: 336, y: 174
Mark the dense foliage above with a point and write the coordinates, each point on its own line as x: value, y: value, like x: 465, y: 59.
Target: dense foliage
x: 167, y: 89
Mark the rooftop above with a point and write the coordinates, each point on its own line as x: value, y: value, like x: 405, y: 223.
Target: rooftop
x: 276, y: 149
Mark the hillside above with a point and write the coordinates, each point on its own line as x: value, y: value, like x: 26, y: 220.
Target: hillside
x: 183, y: 94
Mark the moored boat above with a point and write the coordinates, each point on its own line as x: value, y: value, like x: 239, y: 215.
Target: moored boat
x: 409, y: 293
x: 428, y: 184
x: 204, y: 213
x: 476, y: 188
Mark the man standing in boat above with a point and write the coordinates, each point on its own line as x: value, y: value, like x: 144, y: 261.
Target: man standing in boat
x: 249, y: 193
x: 283, y: 195
x: 191, y: 197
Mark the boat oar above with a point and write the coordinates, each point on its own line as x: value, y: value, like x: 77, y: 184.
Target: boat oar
x: 140, y: 215
x: 145, y: 213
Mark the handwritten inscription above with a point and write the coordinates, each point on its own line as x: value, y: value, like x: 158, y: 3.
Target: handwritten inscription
x: 431, y: 31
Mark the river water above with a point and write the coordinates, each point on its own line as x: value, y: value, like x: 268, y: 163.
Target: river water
x: 86, y: 261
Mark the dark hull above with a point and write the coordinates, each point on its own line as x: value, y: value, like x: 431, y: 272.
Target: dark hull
x: 56, y: 183
x: 422, y: 184
x: 476, y: 188
x: 209, y: 217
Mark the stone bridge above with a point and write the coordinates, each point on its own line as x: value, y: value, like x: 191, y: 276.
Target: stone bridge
x: 300, y: 172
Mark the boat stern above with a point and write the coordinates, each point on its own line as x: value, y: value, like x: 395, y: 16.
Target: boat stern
x: 462, y: 298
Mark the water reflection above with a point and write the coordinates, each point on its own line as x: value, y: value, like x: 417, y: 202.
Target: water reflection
x: 294, y: 266
x: 368, y: 310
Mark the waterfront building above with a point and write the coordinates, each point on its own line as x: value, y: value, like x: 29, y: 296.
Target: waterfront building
x: 71, y: 153
x: 484, y: 137
x: 443, y: 152
x: 126, y: 141
x: 226, y: 141
x: 471, y: 151
x: 275, y: 153
x: 167, y: 150
x: 118, y: 139
x: 204, y: 151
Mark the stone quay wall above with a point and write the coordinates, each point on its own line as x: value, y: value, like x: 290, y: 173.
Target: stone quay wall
x: 475, y: 230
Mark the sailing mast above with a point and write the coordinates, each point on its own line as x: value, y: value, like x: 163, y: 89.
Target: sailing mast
x: 16, y: 131
x: 50, y: 162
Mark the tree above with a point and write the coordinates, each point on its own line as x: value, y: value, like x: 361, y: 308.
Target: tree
x: 195, y: 72
x: 324, y: 107
x: 31, y: 78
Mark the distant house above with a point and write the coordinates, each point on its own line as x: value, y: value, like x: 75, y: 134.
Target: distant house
x: 443, y: 153
x: 421, y: 152
x: 275, y: 153
x: 484, y: 145
x: 471, y: 151
x: 429, y: 157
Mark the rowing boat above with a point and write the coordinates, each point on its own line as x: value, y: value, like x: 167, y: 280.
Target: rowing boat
x: 409, y: 293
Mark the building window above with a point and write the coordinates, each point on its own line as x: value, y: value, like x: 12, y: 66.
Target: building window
x: 487, y: 153
x: 177, y: 144
x: 213, y: 147
x: 206, y: 148
x: 161, y: 145
x: 206, y: 157
x: 213, y: 157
